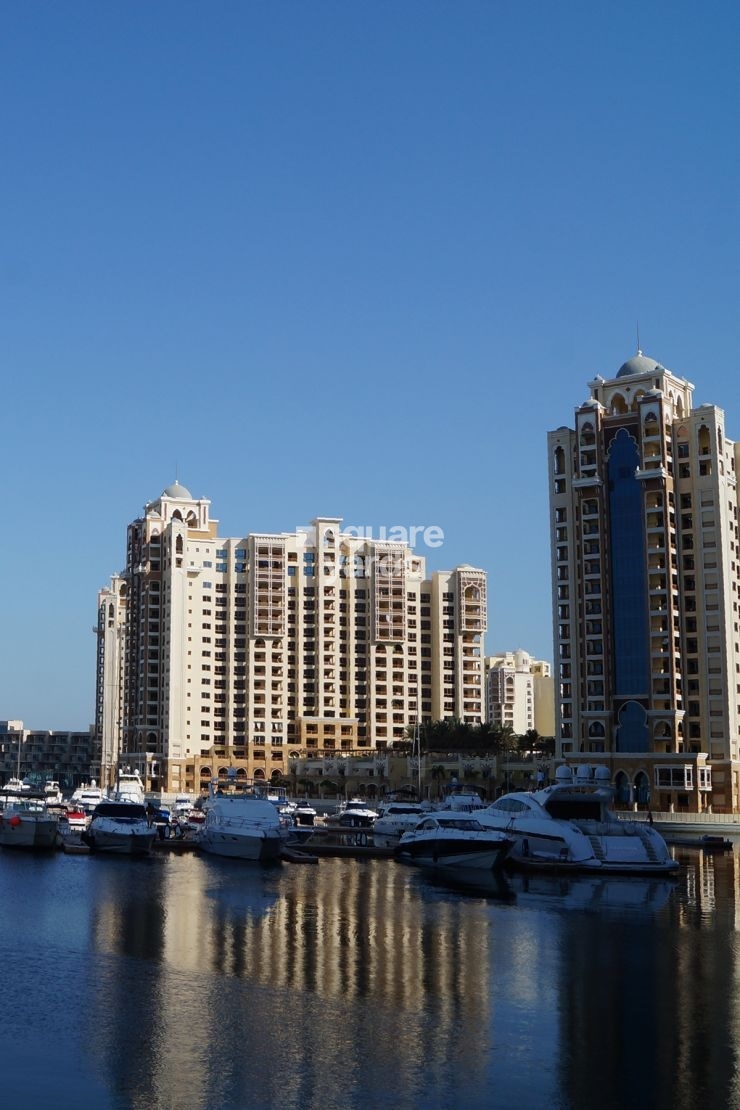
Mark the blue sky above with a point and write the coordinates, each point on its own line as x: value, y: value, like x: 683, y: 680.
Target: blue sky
x: 343, y: 258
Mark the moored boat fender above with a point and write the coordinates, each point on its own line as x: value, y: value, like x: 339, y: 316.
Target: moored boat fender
x: 14, y: 821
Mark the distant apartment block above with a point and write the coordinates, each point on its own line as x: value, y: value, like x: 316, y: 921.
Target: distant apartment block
x: 520, y: 693
x: 70, y: 758
x: 645, y: 578
x: 253, y: 651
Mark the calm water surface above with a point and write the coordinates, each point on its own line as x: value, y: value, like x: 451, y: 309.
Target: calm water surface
x: 188, y: 982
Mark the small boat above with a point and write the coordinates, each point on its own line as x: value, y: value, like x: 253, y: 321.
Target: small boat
x: 182, y: 805
x: 75, y: 820
x: 354, y: 814
x: 53, y: 794
x: 121, y: 828
x: 715, y: 843
x: 708, y: 842
x: 26, y: 823
x: 241, y: 823
x: 304, y: 814
x: 446, y: 840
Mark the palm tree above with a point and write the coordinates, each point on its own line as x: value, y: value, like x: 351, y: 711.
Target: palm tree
x: 438, y: 773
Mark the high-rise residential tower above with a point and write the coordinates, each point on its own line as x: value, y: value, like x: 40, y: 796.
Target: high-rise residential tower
x: 645, y: 573
x: 254, y: 649
x: 519, y: 693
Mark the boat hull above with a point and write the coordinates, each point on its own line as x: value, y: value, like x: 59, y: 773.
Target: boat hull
x: 254, y: 848
x: 451, y: 853
x: 39, y: 834
x: 120, y: 828
x: 121, y: 843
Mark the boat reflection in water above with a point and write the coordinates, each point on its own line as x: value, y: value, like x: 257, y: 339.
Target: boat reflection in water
x: 558, y: 892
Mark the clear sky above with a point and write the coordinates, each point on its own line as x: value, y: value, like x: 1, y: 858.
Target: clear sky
x: 341, y: 258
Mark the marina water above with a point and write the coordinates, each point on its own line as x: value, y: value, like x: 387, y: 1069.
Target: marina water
x: 181, y: 981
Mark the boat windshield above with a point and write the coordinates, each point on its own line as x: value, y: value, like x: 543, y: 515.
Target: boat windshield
x: 582, y: 808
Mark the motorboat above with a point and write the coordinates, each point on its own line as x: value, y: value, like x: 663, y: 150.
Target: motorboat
x: 27, y: 823
x: 74, y: 820
x: 122, y: 828
x: 88, y: 797
x: 571, y: 826
x: 396, y: 818
x: 182, y: 805
x: 241, y: 823
x: 53, y: 794
x: 15, y: 790
x: 16, y: 786
x: 130, y: 788
x: 445, y: 839
x: 304, y: 814
x: 462, y: 800
x: 354, y: 814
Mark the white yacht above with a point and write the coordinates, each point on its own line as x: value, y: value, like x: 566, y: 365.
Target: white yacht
x: 53, y: 793
x: 394, y: 819
x: 88, y: 797
x: 26, y: 823
x: 570, y: 826
x: 121, y: 828
x: 130, y: 788
x: 242, y: 824
x: 354, y: 814
x: 445, y: 839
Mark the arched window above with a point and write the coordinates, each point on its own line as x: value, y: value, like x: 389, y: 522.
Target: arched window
x: 703, y: 439
x: 559, y: 461
x: 618, y: 404
x: 622, y: 788
x: 632, y: 730
x: 642, y: 789
x: 588, y: 437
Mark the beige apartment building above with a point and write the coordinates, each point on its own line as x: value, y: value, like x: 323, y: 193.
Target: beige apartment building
x: 520, y: 693
x: 254, y: 651
x: 645, y: 574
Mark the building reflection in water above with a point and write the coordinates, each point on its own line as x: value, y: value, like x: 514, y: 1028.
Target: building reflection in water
x: 285, y: 976
x: 349, y: 984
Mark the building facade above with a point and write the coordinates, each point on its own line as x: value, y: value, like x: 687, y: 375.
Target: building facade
x: 254, y: 651
x: 69, y: 758
x: 645, y: 574
x: 520, y: 693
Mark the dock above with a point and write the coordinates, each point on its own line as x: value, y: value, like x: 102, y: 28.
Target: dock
x: 341, y: 843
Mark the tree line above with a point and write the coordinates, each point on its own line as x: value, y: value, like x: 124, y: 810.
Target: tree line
x: 462, y: 737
